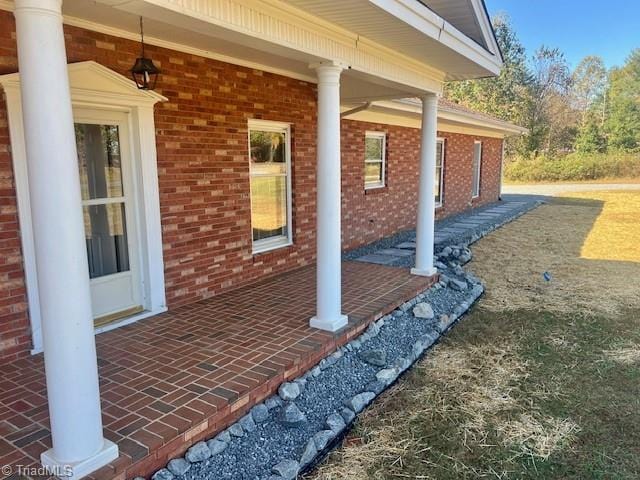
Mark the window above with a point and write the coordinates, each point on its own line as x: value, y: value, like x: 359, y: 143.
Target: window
x: 477, y: 161
x: 374, y: 153
x: 439, y: 171
x: 270, y: 167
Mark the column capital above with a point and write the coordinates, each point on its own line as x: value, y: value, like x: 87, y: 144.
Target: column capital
x: 46, y: 7
x: 328, y: 71
x: 429, y: 98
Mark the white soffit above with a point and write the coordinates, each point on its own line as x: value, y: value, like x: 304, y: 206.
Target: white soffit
x: 464, y: 49
x: 460, y: 14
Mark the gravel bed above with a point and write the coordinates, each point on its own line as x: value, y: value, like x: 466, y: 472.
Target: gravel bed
x: 266, y: 444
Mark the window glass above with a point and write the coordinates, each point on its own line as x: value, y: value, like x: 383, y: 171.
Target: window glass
x: 374, y: 147
x: 439, y: 171
x: 270, y: 196
x: 477, y: 161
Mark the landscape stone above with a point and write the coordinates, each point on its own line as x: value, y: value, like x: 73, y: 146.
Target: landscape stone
x: 423, y: 310
x: 273, y: 402
x: 236, y: 430
x: 457, y: 284
x: 289, y: 391
x: 287, y: 469
x: 444, y: 322
x: 336, y: 423
x: 162, y: 474
x: 198, y: 453
x: 260, y: 413
x: 216, y: 446
x: 376, y: 387
x: 359, y: 401
x: 291, y: 416
x: 301, y: 382
x: 310, y: 452
x: 375, y: 357
x: 322, y: 438
x: 178, y: 466
x: 387, y: 375
x: 347, y: 415
x: 247, y: 423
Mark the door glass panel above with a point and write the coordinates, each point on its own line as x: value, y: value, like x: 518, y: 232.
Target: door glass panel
x: 99, y: 161
x: 106, y: 238
x: 103, y: 202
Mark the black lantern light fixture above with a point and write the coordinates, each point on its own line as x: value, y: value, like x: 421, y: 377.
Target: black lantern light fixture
x: 144, y: 72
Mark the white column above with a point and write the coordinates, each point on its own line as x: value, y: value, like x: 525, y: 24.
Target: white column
x: 328, y: 226
x: 426, y: 183
x: 61, y: 260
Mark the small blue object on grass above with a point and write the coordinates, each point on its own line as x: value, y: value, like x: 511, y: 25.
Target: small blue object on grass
x: 546, y: 276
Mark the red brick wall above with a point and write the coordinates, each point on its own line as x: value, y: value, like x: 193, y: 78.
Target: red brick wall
x: 201, y: 135
x: 372, y: 214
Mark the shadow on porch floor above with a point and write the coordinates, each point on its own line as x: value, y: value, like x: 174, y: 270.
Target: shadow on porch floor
x: 174, y: 379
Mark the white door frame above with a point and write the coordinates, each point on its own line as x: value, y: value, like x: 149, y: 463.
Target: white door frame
x: 97, y: 87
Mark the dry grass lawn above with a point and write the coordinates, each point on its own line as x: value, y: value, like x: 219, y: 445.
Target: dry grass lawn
x: 542, y: 379
x: 588, y: 242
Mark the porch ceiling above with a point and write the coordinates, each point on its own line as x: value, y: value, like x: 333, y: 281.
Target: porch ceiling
x: 185, y: 33
x: 387, y: 56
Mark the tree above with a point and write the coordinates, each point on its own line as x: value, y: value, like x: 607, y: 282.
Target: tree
x: 588, y: 83
x: 622, y: 124
x: 505, y: 96
x: 590, y: 137
x: 550, y: 119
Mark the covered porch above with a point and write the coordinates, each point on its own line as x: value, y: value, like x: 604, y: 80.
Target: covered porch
x: 179, y: 377
x: 170, y: 380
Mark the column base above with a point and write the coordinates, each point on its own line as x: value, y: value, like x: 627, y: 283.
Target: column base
x: 329, y: 325
x: 428, y: 272
x: 77, y: 470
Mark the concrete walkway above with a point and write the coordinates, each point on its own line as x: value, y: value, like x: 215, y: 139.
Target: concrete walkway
x: 399, y: 250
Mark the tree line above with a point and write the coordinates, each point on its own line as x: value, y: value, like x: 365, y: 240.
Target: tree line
x: 587, y: 110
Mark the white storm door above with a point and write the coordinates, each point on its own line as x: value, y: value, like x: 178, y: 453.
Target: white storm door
x: 109, y: 210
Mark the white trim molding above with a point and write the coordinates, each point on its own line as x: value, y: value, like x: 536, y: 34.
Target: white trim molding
x: 95, y: 86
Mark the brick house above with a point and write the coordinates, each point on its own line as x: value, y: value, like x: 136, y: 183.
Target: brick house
x: 277, y: 135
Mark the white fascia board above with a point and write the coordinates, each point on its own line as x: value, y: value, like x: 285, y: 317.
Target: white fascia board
x: 471, y: 119
x: 487, y: 29
x: 459, y: 42
x: 413, y: 108
x: 430, y: 24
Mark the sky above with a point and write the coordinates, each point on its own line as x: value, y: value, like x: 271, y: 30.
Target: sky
x: 610, y: 28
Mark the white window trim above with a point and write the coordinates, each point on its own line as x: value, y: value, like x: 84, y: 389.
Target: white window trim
x: 274, y: 243
x: 383, y: 182
x: 476, y: 187
x: 442, y: 160
x: 95, y: 86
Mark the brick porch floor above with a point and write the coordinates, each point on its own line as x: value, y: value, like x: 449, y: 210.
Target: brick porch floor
x: 174, y: 379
